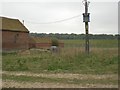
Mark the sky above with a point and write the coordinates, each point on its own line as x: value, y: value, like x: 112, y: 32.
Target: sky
x: 38, y: 15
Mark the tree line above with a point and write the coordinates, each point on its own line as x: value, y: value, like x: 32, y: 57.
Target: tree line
x: 75, y: 36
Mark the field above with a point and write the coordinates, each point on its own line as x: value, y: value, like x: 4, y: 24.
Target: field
x: 70, y: 67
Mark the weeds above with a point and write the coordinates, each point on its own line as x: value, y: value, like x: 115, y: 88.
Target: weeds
x: 71, y: 60
x: 103, y: 59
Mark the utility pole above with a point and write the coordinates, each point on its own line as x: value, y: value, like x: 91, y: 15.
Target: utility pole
x: 86, y: 19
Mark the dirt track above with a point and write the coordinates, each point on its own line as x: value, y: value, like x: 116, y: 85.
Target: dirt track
x: 17, y: 84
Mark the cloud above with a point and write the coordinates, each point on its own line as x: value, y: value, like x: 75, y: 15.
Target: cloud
x: 103, y: 16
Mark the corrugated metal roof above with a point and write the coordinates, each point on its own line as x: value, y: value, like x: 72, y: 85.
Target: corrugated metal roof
x: 12, y: 25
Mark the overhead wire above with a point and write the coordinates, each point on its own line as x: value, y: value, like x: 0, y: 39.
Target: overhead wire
x: 52, y: 22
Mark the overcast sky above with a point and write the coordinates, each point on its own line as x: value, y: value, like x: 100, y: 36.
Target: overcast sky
x: 103, y: 16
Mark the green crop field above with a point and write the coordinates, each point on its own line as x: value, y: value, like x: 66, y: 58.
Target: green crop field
x: 93, y: 43
x: 102, y: 60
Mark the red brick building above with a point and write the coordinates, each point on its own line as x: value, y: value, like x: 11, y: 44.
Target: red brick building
x: 15, y: 36
x: 44, y: 42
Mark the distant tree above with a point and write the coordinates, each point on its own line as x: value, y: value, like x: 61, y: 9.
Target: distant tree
x: 73, y: 36
x: 55, y: 42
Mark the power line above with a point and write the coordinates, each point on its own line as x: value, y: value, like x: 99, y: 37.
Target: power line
x: 52, y: 22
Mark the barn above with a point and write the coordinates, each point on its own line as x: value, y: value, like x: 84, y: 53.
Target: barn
x: 15, y: 36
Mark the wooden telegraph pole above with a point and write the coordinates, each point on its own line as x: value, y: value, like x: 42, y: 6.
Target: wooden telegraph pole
x: 86, y: 19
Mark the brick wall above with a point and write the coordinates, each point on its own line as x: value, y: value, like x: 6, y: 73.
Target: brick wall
x: 14, y: 40
x: 46, y: 45
x: 42, y: 45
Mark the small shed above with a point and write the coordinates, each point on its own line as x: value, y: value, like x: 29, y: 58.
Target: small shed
x: 15, y: 36
x: 42, y: 42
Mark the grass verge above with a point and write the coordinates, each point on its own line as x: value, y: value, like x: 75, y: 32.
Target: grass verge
x: 72, y: 60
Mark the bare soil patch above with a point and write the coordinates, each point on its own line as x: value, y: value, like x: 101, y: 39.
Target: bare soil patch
x: 10, y: 83
x: 24, y: 84
x: 64, y: 75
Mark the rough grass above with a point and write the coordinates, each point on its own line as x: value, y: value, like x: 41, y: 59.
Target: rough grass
x: 102, y: 60
x: 69, y: 60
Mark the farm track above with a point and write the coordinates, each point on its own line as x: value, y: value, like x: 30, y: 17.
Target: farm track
x: 10, y: 83
x: 62, y: 75
x: 24, y: 84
